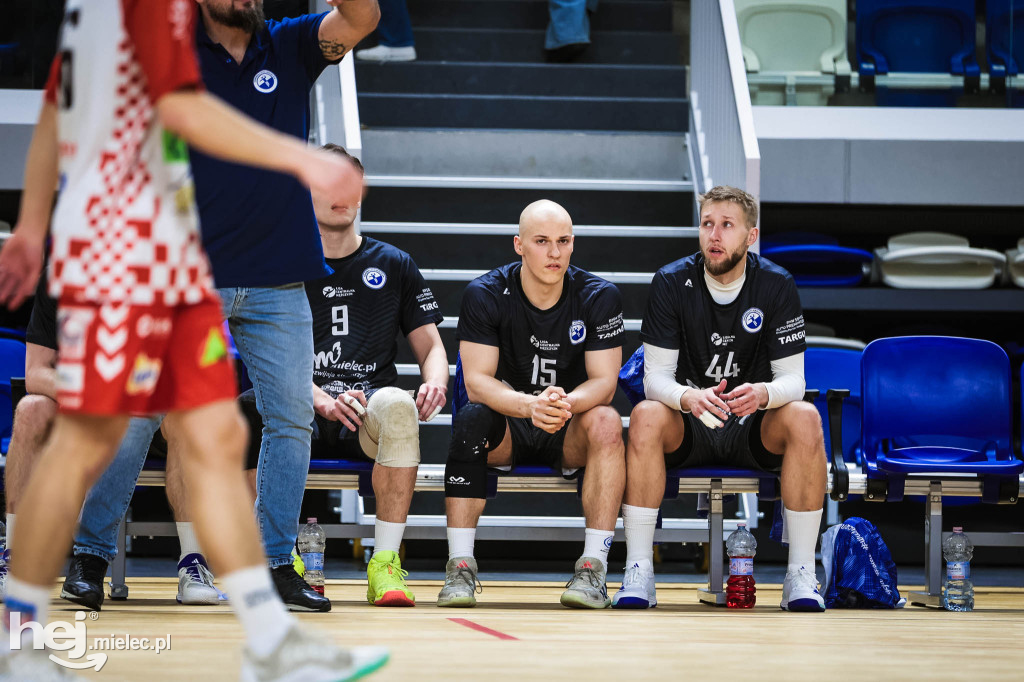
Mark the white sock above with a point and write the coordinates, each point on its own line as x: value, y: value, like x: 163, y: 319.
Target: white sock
x: 260, y: 610
x: 32, y: 600
x: 387, y: 536
x: 460, y: 542
x: 597, y: 544
x: 10, y: 530
x: 187, y: 539
x: 639, y: 524
x: 802, y: 528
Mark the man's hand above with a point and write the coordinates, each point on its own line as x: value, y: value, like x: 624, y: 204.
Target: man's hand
x: 706, y: 405
x: 429, y: 401
x: 347, y: 408
x: 746, y: 399
x: 549, y: 411
x: 21, y: 261
x: 331, y: 175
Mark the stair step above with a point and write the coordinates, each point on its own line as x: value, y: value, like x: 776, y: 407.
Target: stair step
x: 494, y: 78
x: 611, y: 15
x: 521, y: 112
x: 512, y: 45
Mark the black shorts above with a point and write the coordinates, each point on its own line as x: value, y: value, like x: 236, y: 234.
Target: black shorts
x: 330, y: 440
x: 531, y: 445
x: 736, y: 444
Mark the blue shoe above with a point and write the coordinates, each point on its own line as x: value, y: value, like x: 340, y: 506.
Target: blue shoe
x: 800, y: 591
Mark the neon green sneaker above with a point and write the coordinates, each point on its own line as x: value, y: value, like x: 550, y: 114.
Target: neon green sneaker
x: 387, y: 581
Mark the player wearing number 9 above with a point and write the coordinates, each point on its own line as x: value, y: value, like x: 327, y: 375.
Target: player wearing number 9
x: 723, y: 375
x: 540, y: 344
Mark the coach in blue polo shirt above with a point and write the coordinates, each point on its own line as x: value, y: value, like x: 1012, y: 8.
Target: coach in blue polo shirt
x: 262, y: 239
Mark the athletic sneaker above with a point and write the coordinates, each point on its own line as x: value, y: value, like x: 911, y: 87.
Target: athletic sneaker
x: 460, y: 583
x: 305, y: 655
x: 195, y: 582
x: 800, y: 591
x: 32, y: 664
x: 84, y: 584
x: 295, y: 592
x: 586, y: 589
x: 637, y: 591
x: 383, y: 53
x: 5, y: 564
x: 386, y: 581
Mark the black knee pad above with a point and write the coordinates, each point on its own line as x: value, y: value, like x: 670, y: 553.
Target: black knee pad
x: 476, y: 430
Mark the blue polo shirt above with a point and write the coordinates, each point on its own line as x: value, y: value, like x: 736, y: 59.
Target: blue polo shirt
x: 258, y: 226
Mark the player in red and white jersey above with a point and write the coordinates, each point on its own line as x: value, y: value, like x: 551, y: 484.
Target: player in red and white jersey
x: 138, y: 327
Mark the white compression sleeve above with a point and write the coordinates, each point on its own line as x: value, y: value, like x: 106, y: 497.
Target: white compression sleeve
x: 660, y: 376
x: 788, y: 382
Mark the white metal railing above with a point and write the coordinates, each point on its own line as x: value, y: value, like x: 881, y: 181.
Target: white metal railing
x: 722, y: 117
x: 495, y: 229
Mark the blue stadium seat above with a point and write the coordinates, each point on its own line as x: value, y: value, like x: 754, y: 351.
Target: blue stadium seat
x: 916, y: 36
x: 837, y: 368
x: 12, y: 364
x: 818, y: 261
x: 1004, y: 46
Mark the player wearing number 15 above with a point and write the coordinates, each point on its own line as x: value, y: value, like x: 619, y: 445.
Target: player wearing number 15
x: 540, y: 343
x: 724, y: 377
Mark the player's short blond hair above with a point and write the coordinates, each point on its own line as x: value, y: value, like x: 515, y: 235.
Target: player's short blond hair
x: 736, y: 196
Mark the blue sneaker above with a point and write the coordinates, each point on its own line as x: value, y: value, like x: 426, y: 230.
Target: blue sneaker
x: 5, y: 562
x: 800, y: 591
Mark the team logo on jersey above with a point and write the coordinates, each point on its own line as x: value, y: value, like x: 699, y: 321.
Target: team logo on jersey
x: 753, y: 319
x: 689, y: 283
x: 328, y: 292
x: 716, y: 339
x: 265, y: 81
x: 577, y: 332
x: 374, y: 278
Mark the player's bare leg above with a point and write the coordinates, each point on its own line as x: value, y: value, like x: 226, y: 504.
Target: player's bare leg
x: 594, y: 440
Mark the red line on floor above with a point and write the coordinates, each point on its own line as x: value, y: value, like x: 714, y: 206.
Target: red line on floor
x: 480, y: 628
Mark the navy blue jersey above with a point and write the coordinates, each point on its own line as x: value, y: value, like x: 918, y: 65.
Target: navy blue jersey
x: 540, y: 348
x: 735, y: 342
x: 374, y: 293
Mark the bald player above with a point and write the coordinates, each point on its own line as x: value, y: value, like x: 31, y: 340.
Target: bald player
x: 540, y: 343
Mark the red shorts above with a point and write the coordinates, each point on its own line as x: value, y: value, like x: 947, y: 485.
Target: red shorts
x: 119, y: 359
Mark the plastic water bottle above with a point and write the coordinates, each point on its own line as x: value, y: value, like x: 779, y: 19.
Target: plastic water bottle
x: 957, y: 589
x: 312, y: 541
x: 741, y: 547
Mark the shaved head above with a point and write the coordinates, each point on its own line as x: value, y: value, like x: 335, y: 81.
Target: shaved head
x: 541, y: 215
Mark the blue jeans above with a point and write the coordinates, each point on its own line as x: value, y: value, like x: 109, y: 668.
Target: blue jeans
x: 273, y: 331
x: 569, y: 22
x: 394, y: 28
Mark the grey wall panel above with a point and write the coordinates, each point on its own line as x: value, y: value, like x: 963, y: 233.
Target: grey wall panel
x: 810, y: 171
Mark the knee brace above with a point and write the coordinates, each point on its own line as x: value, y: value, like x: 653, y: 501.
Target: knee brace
x: 474, y: 434
x: 390, y: 433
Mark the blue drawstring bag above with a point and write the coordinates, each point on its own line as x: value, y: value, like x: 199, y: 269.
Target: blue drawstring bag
x: 631, y: 377
x: 859, y: 570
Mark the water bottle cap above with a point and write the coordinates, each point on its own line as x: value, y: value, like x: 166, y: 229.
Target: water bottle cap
x: 741, y: 524
x: 958, y: 529
x: 311, y: 519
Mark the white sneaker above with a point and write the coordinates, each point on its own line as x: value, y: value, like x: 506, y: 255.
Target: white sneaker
x: 195, y: 582
x: 800, y: 591
x: 637, y: 591
x: 309, y: 657
x: 383, y: 53
x: 32, y: 664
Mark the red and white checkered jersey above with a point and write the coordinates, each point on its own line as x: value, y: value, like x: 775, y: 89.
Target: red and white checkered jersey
x: 125, y: 227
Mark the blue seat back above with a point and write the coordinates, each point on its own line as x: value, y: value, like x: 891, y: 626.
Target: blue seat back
x: 12, y: 364
x: 935, y: 390
x: 1004, y: 36
x: 930, y: 36
x: 826, y: 368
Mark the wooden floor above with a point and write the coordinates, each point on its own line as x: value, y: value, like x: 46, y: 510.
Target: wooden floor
x: 518, y: 631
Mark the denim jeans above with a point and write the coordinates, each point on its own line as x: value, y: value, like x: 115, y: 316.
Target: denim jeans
x: 273, y: 331
x: 569, y: 22
x: 394, y: 28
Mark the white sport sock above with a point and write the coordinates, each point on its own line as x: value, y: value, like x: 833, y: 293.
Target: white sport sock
x: 387, y: 536
x: 10, y: 530
x: 187, y: 539
x: 32, y: 600
x: 802, y: 528
x: 260, y: 610
x: 460, y: 542
x: 597, y: 544
x: 639, y: 524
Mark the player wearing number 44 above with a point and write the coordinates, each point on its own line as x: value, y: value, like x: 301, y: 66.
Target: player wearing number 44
x: 724, y: 377
x: 540, y: 343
